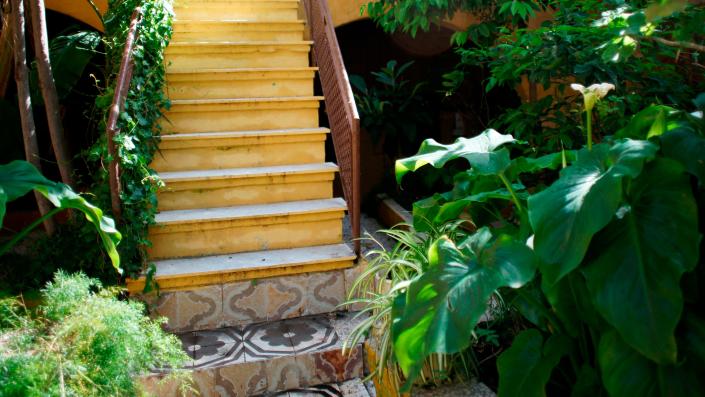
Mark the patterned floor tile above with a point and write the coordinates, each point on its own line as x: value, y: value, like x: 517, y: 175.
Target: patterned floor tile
x: 353, y: 388
x: 213, y: 348
x: 325, y: 292
x: 310, y: 334
x: 286, y: 297
x: 244, y: 303
x: 247, y: 379
x: 200, y: 308
x: 284, y: 373
x: 266, y: 340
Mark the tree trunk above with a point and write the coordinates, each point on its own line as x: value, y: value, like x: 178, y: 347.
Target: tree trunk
x: 29, y: 132
x: 48, y: 86
x: 5, y: 48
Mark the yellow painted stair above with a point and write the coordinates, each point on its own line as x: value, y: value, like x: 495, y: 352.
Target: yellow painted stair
x: 248, y: 199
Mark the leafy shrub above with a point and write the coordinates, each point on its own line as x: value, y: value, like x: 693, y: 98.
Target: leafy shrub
x: 604, y: 261
x: 81, y: 341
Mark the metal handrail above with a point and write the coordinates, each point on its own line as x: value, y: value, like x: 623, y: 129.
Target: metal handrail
x: 340, y: 106
x: 122, y: 87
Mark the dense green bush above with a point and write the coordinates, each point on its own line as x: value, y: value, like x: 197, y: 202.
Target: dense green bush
x: 81, y: 341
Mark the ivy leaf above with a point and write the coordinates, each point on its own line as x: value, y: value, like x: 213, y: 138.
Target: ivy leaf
x: 443, y: 305
x: 525, y: 368
x: 479, y: 151
x: 634, y: 277
x: 583, y: 201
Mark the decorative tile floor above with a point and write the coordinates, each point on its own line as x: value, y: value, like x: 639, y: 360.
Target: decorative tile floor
x: 269, y: 357
x: 262, y: 341
x: 351, y: 388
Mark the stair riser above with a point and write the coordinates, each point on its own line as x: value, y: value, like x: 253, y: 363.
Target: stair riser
x: 240, y: 120
x: 264, y: 190
x: 215, y: 32
x: 231, y: 300
x: 257, y: 234
x: 251, y: 12
x: 236, y: 154
x: 222, y: 87
x: 260, y: 378
x: 208, y: 57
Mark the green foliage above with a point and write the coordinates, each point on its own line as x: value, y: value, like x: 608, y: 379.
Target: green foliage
x: 82, y: 341
x: 433, y: 317
x: 69, y: 55
x: 20, y: 177
x: 391, y: 109
x: 617, y: 238
x: 138, y: 139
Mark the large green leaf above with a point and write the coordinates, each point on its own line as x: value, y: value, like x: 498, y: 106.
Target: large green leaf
x: 625, y: 372
x: 480, y: 151
x: 525, y: 368
x: 570, y: 300
x: 69, y: 55
x: 442, y: 306
x: 687, y: 147
x: 583, y: 201
x: 20, y: 177
x: 634, y: 274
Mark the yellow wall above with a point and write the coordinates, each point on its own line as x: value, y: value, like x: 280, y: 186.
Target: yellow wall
x: 80, y: 10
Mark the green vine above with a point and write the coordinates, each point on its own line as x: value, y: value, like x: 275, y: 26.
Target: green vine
x: 139, y: 134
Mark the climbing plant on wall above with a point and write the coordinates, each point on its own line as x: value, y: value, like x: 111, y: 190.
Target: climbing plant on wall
x: 139, y: 123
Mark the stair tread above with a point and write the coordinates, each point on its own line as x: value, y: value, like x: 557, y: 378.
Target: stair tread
x: 241, y: 70
x: 247, y: 172
x: 245, y: 100
x: 351, y: 388
x: 243, y: 261
x: 250, y: 211
x: 242, y: 22
x: 239, y: 43
x: 238, y: 134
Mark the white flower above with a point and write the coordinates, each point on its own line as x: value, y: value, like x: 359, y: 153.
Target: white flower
x: 593, y: 93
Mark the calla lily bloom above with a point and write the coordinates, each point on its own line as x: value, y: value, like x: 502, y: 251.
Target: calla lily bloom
x: 593, y: 93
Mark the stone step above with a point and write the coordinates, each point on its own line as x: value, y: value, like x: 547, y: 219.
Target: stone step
x: 268, y: 357
x: 215, y: 231
x: 224, y: 30
x: 176, y: 274
x: 241, y: 83
x: 258, y: 10
x: 241, y: 114
x: 222, y: 150
x: 244, y: 186
x: 228, y: 54
x: 351, y: 388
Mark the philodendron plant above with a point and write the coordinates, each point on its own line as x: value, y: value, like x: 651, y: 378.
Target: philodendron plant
x: 604, y: 262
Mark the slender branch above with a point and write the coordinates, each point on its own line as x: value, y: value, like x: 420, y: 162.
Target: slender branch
x: 29, y: 130
x: 22, y: 234
x: 48, y: 87
x: 686, y: 45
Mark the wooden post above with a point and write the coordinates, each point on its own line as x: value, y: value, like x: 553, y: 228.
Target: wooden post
x: 48, y: 87
x: 6, y: 58
x: 29, y: 132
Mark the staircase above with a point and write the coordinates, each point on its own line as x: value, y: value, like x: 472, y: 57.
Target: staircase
x: 248, y: 243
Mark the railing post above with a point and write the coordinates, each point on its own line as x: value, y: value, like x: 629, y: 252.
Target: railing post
x: 121, y: 89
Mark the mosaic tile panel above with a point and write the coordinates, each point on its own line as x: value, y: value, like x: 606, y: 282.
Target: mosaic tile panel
x: 267, y: 357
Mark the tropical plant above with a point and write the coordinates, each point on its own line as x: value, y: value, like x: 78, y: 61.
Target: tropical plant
x: 81, y: 341
x: 392, y: 110
x: 388, y: 272
x: 603, y: 261
x: 20, y: 177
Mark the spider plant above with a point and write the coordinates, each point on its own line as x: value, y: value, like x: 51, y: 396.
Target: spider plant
x: 388, y: 273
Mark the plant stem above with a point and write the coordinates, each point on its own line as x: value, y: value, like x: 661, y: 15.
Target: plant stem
x: 589, y: 129
x: 509, y: 187
x: 22, y: 234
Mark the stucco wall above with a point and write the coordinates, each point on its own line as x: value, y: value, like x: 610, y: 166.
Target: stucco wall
x: 80, y: 10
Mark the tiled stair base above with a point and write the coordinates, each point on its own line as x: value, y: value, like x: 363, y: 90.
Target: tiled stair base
x: 250, y: 301
x: 267, y: 357
x: 351, y: 388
